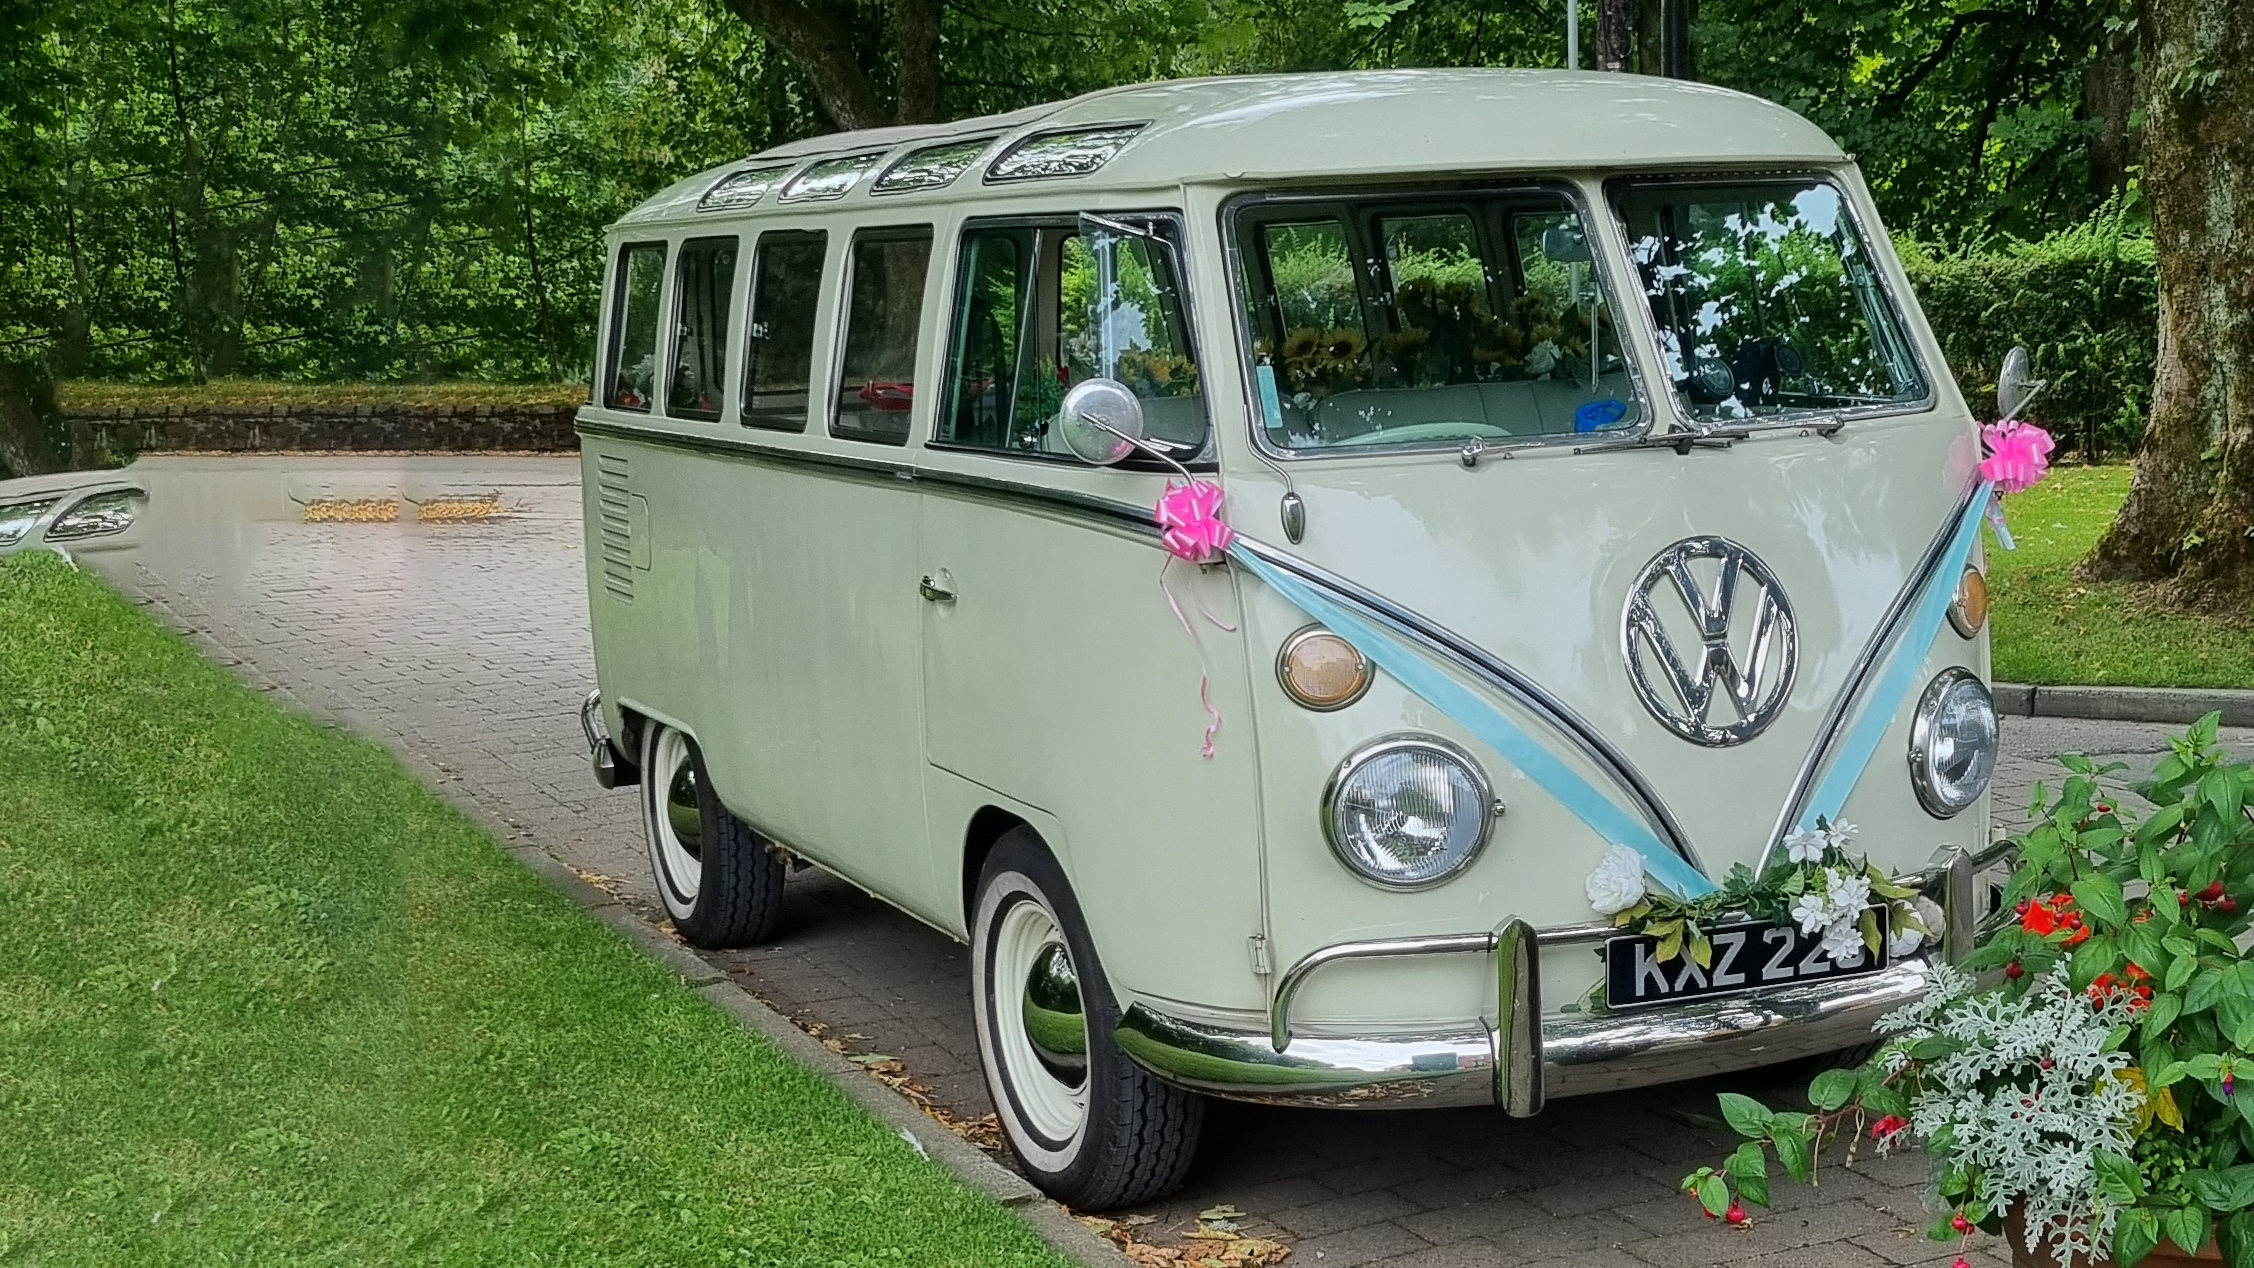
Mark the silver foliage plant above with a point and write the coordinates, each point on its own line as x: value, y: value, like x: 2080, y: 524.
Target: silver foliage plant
x: 2026, y: 1097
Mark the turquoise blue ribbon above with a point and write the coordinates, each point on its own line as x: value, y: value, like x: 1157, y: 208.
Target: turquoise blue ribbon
x: 1907, y: 657
x: 1483, y: 720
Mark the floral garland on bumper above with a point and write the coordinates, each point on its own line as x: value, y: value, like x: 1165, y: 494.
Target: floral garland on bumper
x: 1820, y: 885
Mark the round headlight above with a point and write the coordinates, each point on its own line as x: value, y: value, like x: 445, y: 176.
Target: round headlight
x: 1321, y: 671
x: 1952, y: 743
x: 1969, y: 610
x: 1408, y: 811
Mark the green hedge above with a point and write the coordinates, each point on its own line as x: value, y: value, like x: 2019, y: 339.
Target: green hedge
x: 2084, y: 301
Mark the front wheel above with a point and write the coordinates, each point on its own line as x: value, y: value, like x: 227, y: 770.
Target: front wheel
x: 1091, y: 1128
x: 716, y: 877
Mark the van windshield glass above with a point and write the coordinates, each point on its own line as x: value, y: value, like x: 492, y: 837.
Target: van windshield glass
x: 1398, y: 321
x: 1766, y: 300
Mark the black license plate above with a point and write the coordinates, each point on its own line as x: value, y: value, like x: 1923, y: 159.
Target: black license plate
x: 1747, y: 957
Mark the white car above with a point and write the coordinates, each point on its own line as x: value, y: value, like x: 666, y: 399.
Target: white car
x: 72, y: 512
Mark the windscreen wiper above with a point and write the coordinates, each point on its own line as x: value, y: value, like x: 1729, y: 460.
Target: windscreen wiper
x: 1684, y: 439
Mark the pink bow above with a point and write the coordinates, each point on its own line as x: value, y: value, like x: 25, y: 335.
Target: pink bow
x: 1191, y: 515
x: 2018, y: 455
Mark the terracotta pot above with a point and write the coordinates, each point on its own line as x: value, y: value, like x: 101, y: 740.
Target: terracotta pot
x: 2166, y: 1255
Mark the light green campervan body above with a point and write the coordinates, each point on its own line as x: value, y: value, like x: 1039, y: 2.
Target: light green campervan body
x: 887, y: 650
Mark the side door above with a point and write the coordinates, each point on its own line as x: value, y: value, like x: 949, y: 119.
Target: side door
x: 1057, y: 676
x: 828, y: 694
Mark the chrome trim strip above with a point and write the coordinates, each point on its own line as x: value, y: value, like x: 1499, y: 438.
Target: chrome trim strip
x: 1858, y: 677
x: 1078, y: 505
x: 1501, y: 676
x: 1427, y: 1070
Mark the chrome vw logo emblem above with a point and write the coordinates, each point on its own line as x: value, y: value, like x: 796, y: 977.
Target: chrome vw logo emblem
x: 1709, y: 641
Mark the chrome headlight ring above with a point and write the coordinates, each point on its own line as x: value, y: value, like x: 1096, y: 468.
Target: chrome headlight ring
x: 98, y: 514
x: 1953, y: 743
x: 1408, y: 811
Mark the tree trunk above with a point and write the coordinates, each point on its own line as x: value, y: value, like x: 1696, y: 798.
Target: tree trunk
x: 2189, y: 518
x: 1616, y: 22
x: 33, y: 437
x: 2108, y: 94
x: 915, y: 46
x: 1650, y: 35
x: 818, y: 39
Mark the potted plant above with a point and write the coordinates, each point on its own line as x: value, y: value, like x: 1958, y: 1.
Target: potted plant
x: 2077, y: 1081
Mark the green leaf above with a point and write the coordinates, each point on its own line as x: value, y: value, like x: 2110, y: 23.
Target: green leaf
x: 2228, y: 1190
x: 1795, y: 1152
x: 2161, y: 1015
x: 2119, y: 1178
x: 1670, y: 944
x: 2135, y: 1236
x: 1701, y: 950
x: 1749, y: 1166
x: 2186, y: 1226
x: 1714, y: 1195
x: 2144, y: 948
x: 1868, y: 923
x: 2180, y: 972
x: 2100, y: 896
x: 2235, y: 1235
x: 1745, y: 1115
x: 1832, y: 1089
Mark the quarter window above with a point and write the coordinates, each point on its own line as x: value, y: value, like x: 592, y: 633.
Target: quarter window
x: 1393, y: 322
x: 1042, y: 307
x: 786, y: 287
x: 633, y: 326
x: 884, y: 314
x: 706, y: 273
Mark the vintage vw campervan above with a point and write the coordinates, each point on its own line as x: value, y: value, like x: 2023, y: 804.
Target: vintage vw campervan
x: 1604, y: 519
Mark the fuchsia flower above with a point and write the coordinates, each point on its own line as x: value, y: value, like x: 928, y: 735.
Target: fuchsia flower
x: 1887, y: 1126
x: 2018, y: 455
x: 1191, y: 515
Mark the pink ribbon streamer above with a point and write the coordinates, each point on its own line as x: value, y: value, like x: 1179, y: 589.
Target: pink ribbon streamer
x: 1190, y: 515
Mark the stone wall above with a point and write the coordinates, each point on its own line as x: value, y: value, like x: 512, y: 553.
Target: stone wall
x: 114, y: 435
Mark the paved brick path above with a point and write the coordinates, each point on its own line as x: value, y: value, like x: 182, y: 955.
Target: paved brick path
x: 466, y: 646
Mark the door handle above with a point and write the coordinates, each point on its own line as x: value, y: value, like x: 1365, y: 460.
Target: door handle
x: 938, y: 587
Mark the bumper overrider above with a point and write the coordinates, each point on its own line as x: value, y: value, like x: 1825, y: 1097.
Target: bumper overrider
x: 1524, y: 1057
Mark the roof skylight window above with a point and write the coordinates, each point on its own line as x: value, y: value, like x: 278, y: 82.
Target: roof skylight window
x: 741, y: 189
x: 1070, y: 152
x: 932, y: 167
x: 830, y: 178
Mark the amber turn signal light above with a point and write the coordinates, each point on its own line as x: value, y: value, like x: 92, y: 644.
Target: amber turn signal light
x: 1321, y: 671
x: 1969, y: 610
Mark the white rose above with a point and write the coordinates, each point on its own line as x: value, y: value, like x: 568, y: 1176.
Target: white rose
x: 1618, y: 882
x: 1542, y: 359
x: 1901, y: 939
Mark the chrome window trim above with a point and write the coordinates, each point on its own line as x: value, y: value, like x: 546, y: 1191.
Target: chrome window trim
x: 787, y: 191
x: 1206, y: 459
x: 1501, y: 676
x: 877, y: 186
x: 1398, y: 741
x: 773, y: 172
x: 1859, y: 674
x: 1602, y: 269
x: 1801, y: 418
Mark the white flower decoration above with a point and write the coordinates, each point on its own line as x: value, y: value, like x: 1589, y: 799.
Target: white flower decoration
x: 1846, y: 893
x: 1901, y: 940
x: 1806, y: 845
x: 1843, y: 943
x: 1810, y: 913
x: 1841, y: 834
x: 1618, y: 882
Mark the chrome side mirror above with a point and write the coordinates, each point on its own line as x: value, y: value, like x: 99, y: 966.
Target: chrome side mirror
x: 1101, y: 421
x: 2016, y: 384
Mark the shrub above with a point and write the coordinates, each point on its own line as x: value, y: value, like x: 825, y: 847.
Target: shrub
x: 2083, y: 300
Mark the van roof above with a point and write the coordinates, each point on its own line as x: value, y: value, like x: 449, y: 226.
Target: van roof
x: 1287, y: 128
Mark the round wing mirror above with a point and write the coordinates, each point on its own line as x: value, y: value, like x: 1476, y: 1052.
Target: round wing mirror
x: 2015, y: 383
x: 1100, y: 421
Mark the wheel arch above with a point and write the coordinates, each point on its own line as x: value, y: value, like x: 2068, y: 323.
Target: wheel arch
x: 986, y: 826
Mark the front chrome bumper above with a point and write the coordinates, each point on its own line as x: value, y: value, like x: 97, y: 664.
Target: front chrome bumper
x: 1525, y: 1057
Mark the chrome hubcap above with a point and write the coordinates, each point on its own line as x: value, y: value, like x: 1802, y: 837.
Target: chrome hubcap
x: 1054, y: 1025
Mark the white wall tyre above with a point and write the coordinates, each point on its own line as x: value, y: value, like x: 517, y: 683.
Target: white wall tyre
x: 1091, y: 1128
x: 715, y: 876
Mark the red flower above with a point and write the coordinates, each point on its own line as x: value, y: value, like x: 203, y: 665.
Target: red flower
x: 2211, y: 893
x: 1887, y: 1126
x: 2039, y: 920
x: 2015, y: 970
x: 1736, y: 1213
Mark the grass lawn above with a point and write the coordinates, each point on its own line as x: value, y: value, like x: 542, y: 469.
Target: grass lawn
x: 2051, y: 628
x: 91, y: 394
x: 265, y: 1000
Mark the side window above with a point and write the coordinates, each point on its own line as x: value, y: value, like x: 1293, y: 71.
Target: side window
x: 706, y: 273
x: 884, y: 313
x: 1315, y: 339
x: 998, y: 394
x: 786, y: 285
x: 1041, y: 308
x: 633, y: 326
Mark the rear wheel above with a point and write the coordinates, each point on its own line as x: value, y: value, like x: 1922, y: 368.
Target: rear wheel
x: 716, y: 877
x: 1091, y: 1128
